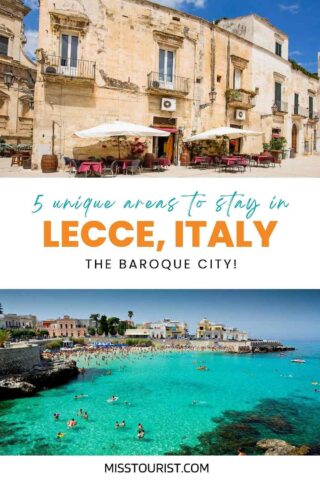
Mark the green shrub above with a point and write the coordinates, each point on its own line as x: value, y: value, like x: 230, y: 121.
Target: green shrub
x: 22, y: 334
x: 91, y: 331
x: 77, y: 341
x: 54, y: 345
x: 139, y: 342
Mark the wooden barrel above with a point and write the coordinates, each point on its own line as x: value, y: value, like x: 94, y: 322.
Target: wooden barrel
x: 148, y: 160
x: 49, y: 163
x: 26, y: 163
x: 185, y: 158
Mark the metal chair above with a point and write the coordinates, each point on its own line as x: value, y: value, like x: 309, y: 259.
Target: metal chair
x: 134, y: 167
x: 113, y: 169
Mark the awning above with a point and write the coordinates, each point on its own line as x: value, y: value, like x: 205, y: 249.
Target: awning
x: 168, y: 129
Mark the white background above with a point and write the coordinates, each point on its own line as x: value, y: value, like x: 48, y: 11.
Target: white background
x: 292, y: 261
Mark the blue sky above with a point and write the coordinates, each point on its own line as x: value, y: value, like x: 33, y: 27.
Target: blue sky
x: 282, y: 314
x: 299, y: 19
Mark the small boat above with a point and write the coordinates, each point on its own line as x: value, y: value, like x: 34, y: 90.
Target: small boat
x: 298, y: 360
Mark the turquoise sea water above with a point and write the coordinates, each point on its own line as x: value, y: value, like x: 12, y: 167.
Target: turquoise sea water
x: 160, y: 389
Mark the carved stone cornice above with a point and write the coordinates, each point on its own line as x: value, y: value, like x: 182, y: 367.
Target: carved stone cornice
x: 14, y: 8
x: 168, y: 39
x: 4, y: 96
x: 5, y: 31
x: 69, y: 20
x: 239, y: 63
x: 279, y: 77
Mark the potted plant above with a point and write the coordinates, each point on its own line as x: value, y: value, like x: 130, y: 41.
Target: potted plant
x: 266, y: 147
x: 277, y: 146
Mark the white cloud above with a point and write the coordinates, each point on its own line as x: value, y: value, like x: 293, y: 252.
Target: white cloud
x: 181, y: 3
x: 293, y: 8
x: 296, y: 53
x: 32, y: 43
x: 33, y: 4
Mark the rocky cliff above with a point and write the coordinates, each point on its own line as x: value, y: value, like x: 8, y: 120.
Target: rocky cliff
x: 47, y: 374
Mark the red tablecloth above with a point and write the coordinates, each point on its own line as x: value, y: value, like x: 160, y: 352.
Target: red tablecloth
x: 199, y: 160
x: 93, y: 166
x: 229, y: 161
x: 164, y: 162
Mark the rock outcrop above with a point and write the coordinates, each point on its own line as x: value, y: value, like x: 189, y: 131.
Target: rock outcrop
x: 46, y: 375
x: 274, y: 446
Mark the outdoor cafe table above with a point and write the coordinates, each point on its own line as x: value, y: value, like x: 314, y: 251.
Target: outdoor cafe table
x: 263, y: 160
x: 86, y: 167
x: 161, y: 162
x: 234, y: 162
x: 203, y: 162
x: 124, y: 163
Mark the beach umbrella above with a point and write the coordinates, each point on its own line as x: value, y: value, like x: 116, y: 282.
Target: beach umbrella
x: 120, y: 129
x: 223, y: 132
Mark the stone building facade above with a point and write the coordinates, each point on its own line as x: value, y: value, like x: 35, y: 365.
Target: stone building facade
x: 17, y: 76
x: 13, y: 320
x: 219, y: 332
x: 286, y: 101
x: 64, y: 327
x: 137, y: 61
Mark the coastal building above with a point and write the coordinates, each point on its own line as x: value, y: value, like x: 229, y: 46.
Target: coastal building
x: 13, y: 320
x: 167, y: 329
x: 207, y: 330
x: 64, y: 327
x: 17, y: 75
x: 144, y: 333
x: 184, y: 75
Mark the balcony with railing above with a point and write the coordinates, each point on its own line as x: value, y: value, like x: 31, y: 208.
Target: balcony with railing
x: 280, y: 107
x: 313, y: 117
x: 240, y: 99
x: 298, y: 111
x: 160, y: 83
x: 56, y: 68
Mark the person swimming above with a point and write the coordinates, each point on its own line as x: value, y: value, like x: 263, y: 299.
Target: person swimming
x: 85, y: 416
x: 140, y: 434
x: 140, y: 427
x: 116, y: 425
x: 60, y: 435
x: 113, y: 399
x: 56, y: 416
x: 80, y: 413
x: 77, y: 397
x: 122, y: 424
x: 72, y: 423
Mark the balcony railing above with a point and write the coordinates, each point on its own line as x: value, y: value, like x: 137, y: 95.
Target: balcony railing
x: 68, y: 67
x: 300, y: 111
x: 160, y: 81
x: 282, y: 107
x: 313, y: 116
x: 240, y: 98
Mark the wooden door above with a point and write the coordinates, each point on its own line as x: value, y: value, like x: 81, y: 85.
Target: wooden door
x: 294, y: 142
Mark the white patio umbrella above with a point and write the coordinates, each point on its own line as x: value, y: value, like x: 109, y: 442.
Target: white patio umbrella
x: 121, y: 129
x: 223, y: 132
